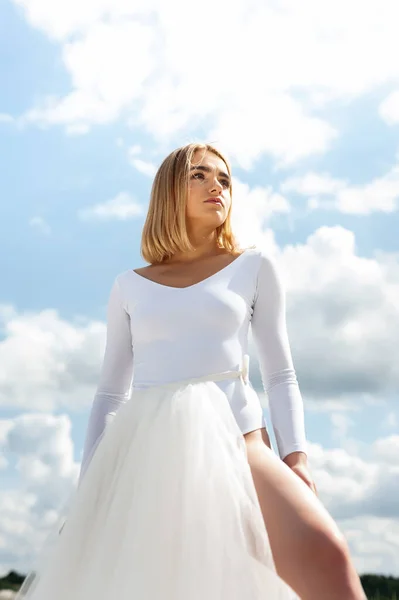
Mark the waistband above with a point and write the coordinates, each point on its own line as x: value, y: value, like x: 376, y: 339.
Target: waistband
x: 242, y: 373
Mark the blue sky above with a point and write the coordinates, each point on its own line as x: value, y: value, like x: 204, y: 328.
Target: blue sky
x: 315, y: 164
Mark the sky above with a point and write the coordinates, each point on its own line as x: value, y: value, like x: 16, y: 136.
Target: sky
x: 304, y: 100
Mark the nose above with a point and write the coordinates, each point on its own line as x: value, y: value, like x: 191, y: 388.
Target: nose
x: 216, y: 185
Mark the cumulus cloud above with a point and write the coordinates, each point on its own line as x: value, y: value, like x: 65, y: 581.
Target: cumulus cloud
x: 313, y: 184
x: 359, y: 492
x: 5, y: 118
x: 391, y: 421
x: 387, y: 449
x: 338, y: 308
x: 42, y: 447
x: 143, y: 166
x: 40, y: 225
x: 108, y: 69
x: 324, y: 192
x: 253, y: 93
x: 341, y: 424
x: 253, y: 209
x: 122, y: 207
x: 389, y: 108
x: 136, y: 60
x: 374, y: 543
x: 59, y: 359
x: 354, y: 486
x: 274, y: 124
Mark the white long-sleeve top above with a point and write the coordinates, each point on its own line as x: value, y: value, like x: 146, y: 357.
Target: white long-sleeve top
x: 159, y: 334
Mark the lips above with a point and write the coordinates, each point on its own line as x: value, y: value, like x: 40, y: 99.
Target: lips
x: 215, y: 201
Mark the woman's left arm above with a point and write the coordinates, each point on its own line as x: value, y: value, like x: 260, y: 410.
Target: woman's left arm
x: 279, y: 379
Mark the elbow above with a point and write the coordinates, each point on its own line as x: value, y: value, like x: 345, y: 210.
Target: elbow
x: 282, y: 377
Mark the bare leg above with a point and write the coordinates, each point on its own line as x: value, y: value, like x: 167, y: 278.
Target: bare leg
x: 309, y: 551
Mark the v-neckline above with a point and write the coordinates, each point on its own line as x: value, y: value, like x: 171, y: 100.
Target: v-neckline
x: 186, y: 287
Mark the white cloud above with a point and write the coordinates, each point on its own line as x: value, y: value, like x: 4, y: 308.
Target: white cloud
x: 43, y: 449
x: 349, y: 486
x: 121, y: 207
x: 353, y: 485
x: 43, y: 446
x: 60, y: 360
x: 135, y: 158
x: 137, y: 60
x: 387, y: 449
x: 313, y: 184
x: 134, y: 150
x: 339, y: 305
x: 5, y: 426
x: 275, y: 124
x: 77, y: 129
x: 5, y: 118
x: 380, y: 195
x: 108, y: 70
x: 143, y: 166
x: 324, y: 192
x: 252, y: 93
x: 341, y: 424
x: 389, y: 108
x: 391, y: 421
x: 40, y: 225
x: 374, y: 543
x: 253, y: 209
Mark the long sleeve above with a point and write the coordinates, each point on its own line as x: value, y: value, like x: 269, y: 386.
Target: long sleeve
x: 275, y: 360
x: 115, y: 377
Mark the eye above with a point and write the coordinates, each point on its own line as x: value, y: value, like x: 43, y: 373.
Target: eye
x: 195, y: 176
x: 225, y: 182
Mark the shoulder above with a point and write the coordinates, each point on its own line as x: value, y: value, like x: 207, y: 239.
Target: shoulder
x: 262, y: 258
x: 120, y: 284
x: 122, y: 277
x: 268, y: 278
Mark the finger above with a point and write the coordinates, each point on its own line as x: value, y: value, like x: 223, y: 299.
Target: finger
x: 308, y: 482
x: 311, y: 485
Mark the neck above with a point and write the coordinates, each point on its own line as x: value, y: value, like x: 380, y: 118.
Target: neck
x: 204, y: 244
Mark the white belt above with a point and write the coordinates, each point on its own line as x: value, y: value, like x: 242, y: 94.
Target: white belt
x: 243, y: 373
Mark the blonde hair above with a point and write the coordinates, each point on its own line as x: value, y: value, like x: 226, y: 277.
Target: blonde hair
x: 164, y: 230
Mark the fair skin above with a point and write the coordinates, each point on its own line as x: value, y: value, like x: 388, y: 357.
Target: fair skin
x: 309, y: 551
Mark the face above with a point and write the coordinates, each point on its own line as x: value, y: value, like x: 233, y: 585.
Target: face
x: 209, y: 196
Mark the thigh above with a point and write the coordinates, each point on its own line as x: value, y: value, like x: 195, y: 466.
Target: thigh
x: 302, y: 534
x: 309, y: 550
x: 283, y: 494
x: 259, y: 435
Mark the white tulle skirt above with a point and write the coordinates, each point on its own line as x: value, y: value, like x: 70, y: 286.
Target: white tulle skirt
x: 166, y: 510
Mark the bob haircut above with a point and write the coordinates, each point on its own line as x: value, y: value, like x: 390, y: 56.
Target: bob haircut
x: 164, y: 230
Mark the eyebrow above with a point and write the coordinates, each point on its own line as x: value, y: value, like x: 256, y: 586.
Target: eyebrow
x: 209, y: 170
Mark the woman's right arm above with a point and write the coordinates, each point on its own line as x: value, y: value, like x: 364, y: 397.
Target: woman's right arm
x: 115, y: 376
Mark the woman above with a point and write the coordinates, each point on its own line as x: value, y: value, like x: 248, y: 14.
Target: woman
x: 180, y: 496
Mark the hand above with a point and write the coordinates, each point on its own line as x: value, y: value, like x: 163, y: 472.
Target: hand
x: 303, y: 472
x: 298, y: 463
